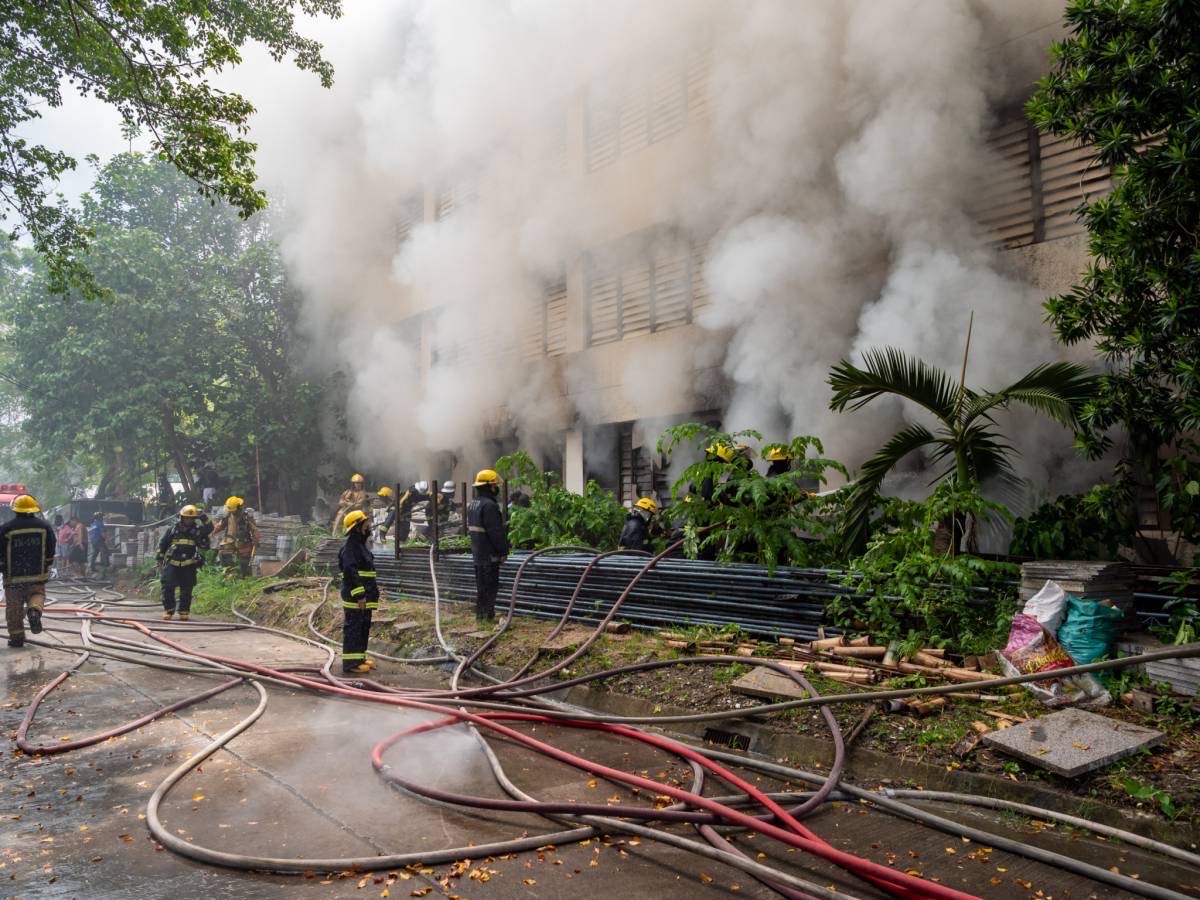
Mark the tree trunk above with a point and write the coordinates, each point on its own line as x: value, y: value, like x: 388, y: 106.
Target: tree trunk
x: 176, y: 448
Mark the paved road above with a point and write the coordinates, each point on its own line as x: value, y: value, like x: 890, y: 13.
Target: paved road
x: 299, y: 783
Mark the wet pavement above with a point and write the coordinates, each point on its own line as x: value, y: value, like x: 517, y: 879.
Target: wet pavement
x: 299, y: 784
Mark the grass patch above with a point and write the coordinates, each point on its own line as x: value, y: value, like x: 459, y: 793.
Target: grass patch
x: 726, y: 674
x: 216, y: 593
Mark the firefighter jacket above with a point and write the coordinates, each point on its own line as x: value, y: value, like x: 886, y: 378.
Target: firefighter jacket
x: 636, y: 533
x: 204, y: 530
x: 26, y: 549
x: 239, y: 531
x: 488, y: 530
x: 357, y: 565
x: 352, y: 499
x: 180, y: 547
x: 404, y: 506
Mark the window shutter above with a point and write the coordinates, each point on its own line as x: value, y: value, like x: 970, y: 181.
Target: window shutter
x: 1004, y: 201
x: 635, y: 313
x: 603, y: 296
x: 1070, y: 175
x: 700, y: 293
x: 668, y: 102
x: 555, y: 327
x: 601, y: 126
x: 672, y: 293
x: 699, y: 62
x: 633, y: 120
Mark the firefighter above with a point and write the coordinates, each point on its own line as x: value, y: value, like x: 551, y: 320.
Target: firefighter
x: 240, y: 539
x: 354, y: 498
x: 489, y: 543
x: 636, y: 533
x: 780, y: 461
x: 360, y: 592
x: 180, y: 557
x: 400, y: 515
x: 714, y: 453
x: 26, y: 553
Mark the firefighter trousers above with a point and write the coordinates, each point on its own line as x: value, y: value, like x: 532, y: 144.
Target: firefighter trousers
x: 182, y: 578
x: 356, y: 631
x: 487, y: 585
x: 18, y: 599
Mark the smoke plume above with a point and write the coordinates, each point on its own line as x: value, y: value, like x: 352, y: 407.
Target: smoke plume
x: 829, y: 177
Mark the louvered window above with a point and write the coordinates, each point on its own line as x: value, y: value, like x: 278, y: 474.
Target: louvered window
x: 1070, y: 176
x: 547, y: 335
x: 407, y: 216
x: 672, y: 289
x: 643, y: 291
x: 554, y: 326
x: 600, y: 124
x: 630, y: 116
x: 604, y: 302
x: 699, y: 62
x: 1004, y: 202
x: 456, y: 194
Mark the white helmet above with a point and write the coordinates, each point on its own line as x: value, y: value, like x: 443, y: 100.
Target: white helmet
x: 421, y: 486
x: 448, y: 487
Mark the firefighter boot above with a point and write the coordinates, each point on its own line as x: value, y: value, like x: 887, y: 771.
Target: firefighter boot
x: 370, y: 663
x: 360, y: 669
x: 35, y: 621
x: 168, y: 616
x: 184, y: 615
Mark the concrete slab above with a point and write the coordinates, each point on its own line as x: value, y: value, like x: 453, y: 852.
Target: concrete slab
x: 768, y: 685
x: 567, y: 639
x: 1073, y: 741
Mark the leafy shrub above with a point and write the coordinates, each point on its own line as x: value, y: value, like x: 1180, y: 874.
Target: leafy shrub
x: 555, y: 515
x: 749, y: 517
x: 904, y: 588
x: 1093, y: 525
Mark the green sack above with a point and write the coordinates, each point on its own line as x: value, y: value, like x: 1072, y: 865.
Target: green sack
x: 1090, y: 630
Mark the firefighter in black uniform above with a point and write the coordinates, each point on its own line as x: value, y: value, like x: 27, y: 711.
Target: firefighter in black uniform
x: 400, y: 515
x: 489, y: 543
x: 636, y: 533
x: 179, y: 554
x: 360, y: 592
x: 26, y: 553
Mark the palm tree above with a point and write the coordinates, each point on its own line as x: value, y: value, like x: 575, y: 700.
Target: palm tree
x: 967, y: 437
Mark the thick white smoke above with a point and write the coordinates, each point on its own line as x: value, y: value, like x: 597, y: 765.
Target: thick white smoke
x: 831, y: 181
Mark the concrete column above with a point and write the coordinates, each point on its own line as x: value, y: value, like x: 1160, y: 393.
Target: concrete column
x: 573, y: 474
x: 576, y: 336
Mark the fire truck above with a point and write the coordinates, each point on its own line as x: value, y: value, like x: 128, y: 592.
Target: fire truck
x: 9, y: 493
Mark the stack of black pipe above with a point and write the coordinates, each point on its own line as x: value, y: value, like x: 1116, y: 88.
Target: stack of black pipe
x: 677, y: 592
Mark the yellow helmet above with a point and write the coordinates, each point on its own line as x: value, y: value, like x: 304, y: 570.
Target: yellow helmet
x: 486, y: 477
x: 353, y: 518
x: 233, y: 503
x: 778, y: 454
x: 721, y: 451
x: 357, y: 479
x: 385, y: 492
x: 25, y: 504
x: 648, y: 504
x: 189, y: 512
